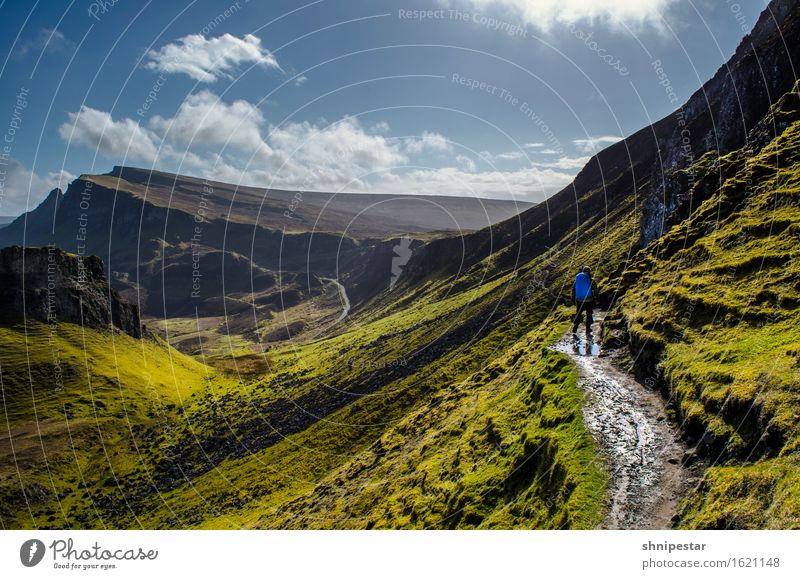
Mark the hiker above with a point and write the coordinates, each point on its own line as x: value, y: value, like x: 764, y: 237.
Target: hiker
x: 584, y: 294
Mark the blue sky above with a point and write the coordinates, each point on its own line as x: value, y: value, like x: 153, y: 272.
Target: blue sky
x: 494, y: 98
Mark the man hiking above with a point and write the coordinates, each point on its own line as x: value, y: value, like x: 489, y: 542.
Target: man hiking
x: 584, y: 293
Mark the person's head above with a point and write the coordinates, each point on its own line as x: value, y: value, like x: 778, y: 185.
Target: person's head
x: 586, y: 269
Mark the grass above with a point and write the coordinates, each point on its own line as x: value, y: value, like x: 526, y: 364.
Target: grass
x: 504, y: 447
x: 488, y: 413
x: 764, y: 495
x: 75, y: 404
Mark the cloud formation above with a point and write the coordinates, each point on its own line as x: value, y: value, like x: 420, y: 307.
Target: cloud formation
x: 209, y: 59
x: 593, y: 145
x: 543, y: 14
x: 529, y: 184
x: 233, y: 142
x: 116, y: 139
x: 428, y: 141
x: 46, y: 40
x: 204, y: 119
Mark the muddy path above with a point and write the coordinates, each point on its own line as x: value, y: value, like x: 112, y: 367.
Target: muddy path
x: 642, y: 450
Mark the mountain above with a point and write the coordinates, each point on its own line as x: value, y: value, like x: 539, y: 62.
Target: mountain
x: 185, y: 249
x: 437, y: 401
x: 172, y: 218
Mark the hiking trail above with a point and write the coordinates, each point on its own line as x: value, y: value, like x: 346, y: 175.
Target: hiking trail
x: 642, y: 450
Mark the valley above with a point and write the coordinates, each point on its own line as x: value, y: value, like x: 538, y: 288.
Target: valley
x: 326, y: 374
x: 204, y: 251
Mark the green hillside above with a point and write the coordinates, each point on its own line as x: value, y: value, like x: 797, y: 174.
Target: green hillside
x: 76, y: 404
x: 502, y: 441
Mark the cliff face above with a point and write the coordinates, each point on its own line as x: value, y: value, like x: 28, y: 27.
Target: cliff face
x: 50, y: 285
x: 720, y: 115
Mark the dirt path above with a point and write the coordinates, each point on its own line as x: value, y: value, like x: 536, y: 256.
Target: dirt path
x: 343, y: 297
x: 642, y: 450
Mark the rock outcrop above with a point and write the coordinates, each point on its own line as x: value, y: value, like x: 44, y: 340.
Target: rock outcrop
x: 51, y: 285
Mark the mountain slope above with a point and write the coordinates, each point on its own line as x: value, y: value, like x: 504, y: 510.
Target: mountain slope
x: 712, y: 318
x: 76, y: 401
x: 137, y: 220
x: 77, y: 390
x: 645, y: 168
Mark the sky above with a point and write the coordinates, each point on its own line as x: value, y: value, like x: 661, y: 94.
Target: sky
x: 490, y: 98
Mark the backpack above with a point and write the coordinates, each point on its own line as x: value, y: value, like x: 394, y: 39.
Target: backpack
x: 583, y: 287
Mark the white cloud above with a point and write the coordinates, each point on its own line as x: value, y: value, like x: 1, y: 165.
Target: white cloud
x: 203, y: 119
x: 380, y: 127
x: 543, y: 14
x: 209, y: 59
x: 428, y: 141
x: 292, y: 155
x: 232, y: 142
x: 593, y: 145
x: 529, y: 184
x: 533, y: 145
x: 46, y: 39
x: 22, y: 190
x: 97, y: 130
x: 510, y: 156
x: 466, y: 163
x: 336, y: 155
x: 493, y: 158
x: 565, y: 163
x: 562, y: 163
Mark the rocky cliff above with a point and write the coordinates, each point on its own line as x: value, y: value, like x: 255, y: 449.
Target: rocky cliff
x: 51, y: 286
x: 720, y: 115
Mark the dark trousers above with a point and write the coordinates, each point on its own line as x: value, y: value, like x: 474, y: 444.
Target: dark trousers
x: 581, y: 307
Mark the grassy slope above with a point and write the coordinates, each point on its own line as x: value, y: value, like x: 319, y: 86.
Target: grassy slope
x: 437, y: 414
x: 432, y: 457
x: 718, y: 297
x: 487, y: 434
x: 491, y: 415
x: 508, y: 450
x: 81, y: 431
x: 472, y: 422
